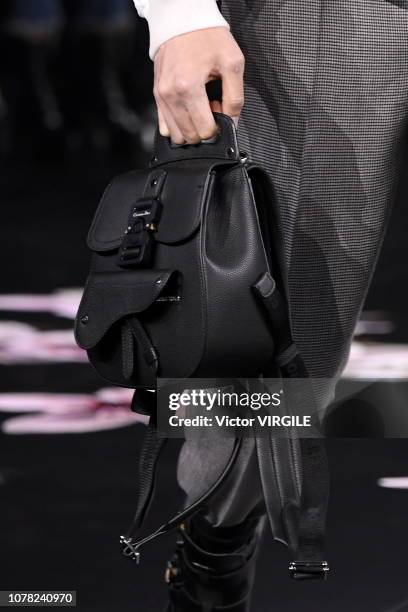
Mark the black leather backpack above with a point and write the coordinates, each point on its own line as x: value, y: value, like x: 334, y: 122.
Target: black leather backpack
x: 177, y: 251
x: 185, y: 282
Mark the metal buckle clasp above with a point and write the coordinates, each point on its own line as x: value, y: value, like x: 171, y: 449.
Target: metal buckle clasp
x: 137, y: 245
x: 129, y: 549
x: 304, y: 570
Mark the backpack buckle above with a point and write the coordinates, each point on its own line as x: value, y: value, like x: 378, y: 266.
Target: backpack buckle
x: 137, y: 245
x: 129, y: 549
x: 309, y: 570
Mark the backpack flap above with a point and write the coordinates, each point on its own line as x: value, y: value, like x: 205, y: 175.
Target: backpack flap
x: 110, y: 221
x: 111, y: 319
x: 106, y: 300
x: 180, y: 188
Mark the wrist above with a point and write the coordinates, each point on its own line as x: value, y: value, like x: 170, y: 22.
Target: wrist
x: 170, y: 18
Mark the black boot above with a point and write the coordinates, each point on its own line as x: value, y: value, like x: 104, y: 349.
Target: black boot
x: 213, y: 568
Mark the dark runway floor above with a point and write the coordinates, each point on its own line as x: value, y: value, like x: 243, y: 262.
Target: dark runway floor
x: 66, y: 498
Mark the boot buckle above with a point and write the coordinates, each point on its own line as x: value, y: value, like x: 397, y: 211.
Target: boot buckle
x: 171, y: 573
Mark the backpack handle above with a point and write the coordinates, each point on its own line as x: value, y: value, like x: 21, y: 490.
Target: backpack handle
x: 223, y: 146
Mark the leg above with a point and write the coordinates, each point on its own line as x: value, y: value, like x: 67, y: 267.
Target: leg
x: 241, y: 493
x: 105, y: 38
x: 326, y: 105
x: 214, y: 563
x: 33, y: 36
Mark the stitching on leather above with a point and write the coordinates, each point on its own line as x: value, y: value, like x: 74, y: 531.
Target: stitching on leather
x: 269, y: 292
x: 127, y: 351
x: 203, y: 278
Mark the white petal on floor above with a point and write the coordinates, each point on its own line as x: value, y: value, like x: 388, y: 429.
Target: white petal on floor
x: 396, y: 482
x: 377, y: 360
x: 374, y: 323
x: 115, y: 395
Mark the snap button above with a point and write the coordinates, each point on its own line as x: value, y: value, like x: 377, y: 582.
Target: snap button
x: 84, y: 319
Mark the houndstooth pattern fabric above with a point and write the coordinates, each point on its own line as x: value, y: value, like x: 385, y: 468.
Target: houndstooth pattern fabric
x: 326, y: 103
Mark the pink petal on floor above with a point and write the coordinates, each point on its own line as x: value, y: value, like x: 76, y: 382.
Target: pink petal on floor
x: 25, y: 302
x: 63, y: 303
x: 100, y: 420
x: 46, y: 402
x: 66, y: 302
x: 21, y: 343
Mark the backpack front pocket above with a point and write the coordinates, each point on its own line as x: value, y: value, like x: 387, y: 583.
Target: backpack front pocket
x: 112, y: 323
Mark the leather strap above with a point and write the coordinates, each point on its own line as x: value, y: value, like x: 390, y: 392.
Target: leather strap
x: 148, y: 460
x: 152, y: 447
x: 303, y: 510
x: 275, y: 304
x: 132, y: 330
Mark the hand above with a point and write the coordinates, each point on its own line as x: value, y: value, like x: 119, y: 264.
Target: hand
x: 182, y: 67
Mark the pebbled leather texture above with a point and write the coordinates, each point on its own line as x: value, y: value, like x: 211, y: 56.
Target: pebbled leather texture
x: 203, y: 317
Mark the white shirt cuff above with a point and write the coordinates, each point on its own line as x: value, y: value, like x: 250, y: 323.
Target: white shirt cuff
x: 169, y: 18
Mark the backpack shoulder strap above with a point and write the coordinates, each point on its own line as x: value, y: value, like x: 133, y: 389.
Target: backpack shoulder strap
x: 303, y: 518
x: 152, y: 447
